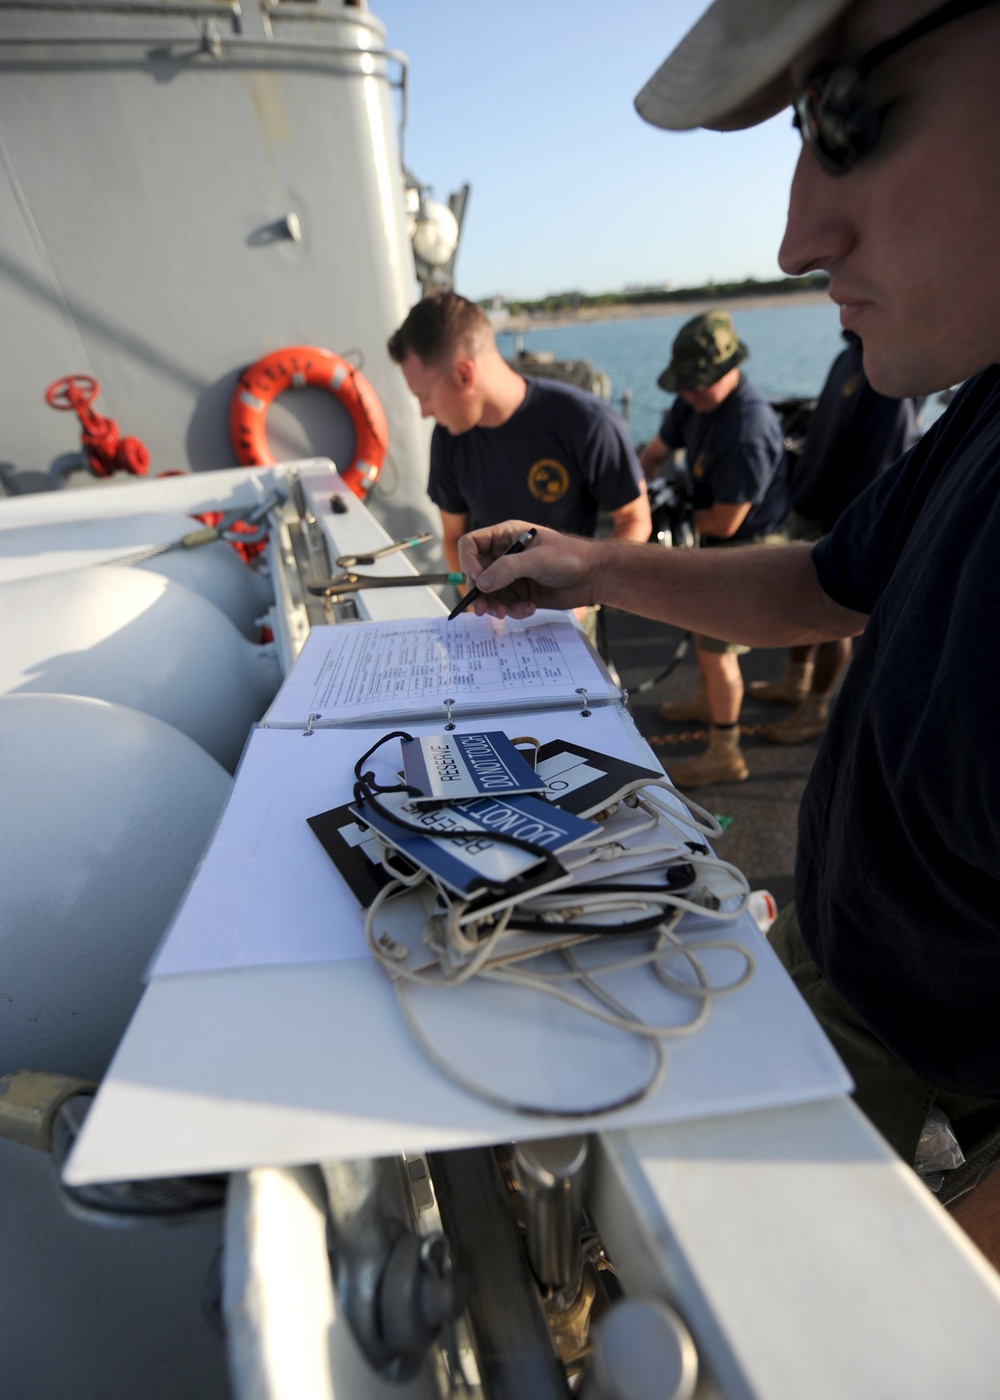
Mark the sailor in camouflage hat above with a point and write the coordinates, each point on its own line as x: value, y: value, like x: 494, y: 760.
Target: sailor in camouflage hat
x: 706, y: 348
x: 734, y: 453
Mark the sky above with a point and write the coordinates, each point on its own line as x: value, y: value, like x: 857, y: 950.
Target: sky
x: 530, y: 101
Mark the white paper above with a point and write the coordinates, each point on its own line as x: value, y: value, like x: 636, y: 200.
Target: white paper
x: 359, y: 672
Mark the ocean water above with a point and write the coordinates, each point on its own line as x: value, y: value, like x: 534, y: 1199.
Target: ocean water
x: 791, y: 350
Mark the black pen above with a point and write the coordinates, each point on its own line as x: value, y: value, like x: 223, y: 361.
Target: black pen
x: 518, y: 547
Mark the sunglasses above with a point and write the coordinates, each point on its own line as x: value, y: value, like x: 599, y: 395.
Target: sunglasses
x: 836, y: 113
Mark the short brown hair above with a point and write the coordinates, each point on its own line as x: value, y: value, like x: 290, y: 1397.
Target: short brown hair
x: 437, y: 327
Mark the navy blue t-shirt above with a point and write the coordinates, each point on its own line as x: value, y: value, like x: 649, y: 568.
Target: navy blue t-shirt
x: 734, y: 454
x: 854, y: 435
x: 561, y: 456
x: 898, y: 872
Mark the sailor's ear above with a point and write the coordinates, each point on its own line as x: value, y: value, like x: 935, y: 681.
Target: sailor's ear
x: 464, y: 373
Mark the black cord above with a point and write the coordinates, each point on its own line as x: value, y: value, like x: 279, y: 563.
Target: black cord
x: 367, y: 780
x: 523, y: 923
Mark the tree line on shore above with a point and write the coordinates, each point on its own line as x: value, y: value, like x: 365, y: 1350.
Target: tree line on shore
x: 645, y: 296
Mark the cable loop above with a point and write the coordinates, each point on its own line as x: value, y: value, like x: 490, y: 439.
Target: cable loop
x: 495, y: 935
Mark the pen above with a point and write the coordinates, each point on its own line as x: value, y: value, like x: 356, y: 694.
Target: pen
x: 518, y: 547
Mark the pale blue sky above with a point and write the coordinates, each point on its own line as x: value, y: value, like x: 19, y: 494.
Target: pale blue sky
x: 531, y: 102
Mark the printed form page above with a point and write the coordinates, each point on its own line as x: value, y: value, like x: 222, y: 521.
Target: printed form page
x: 358, y: 671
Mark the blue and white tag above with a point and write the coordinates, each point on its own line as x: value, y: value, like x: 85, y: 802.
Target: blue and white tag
x: 474, y: 862
x: 454, y: 767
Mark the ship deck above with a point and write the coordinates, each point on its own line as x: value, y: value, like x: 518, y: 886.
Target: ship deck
x: 760, y: 838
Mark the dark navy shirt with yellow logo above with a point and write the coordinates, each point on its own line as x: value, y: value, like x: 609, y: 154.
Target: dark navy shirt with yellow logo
x: 734, y: 454
x: 560, y: 457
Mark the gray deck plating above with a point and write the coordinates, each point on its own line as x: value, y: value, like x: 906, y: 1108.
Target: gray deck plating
x: 764, y: 809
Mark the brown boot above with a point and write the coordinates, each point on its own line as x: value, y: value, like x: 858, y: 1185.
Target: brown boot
x: 792, y: 689
x: 695, y: 707
x: 722, y: 762
x: 809, y: 719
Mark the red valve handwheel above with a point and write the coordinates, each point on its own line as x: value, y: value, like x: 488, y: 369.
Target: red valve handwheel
x: 74, y: 392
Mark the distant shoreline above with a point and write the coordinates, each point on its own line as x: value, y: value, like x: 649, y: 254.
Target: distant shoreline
x: 628, y: 311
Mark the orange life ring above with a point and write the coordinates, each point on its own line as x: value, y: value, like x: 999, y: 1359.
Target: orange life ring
x: 293, y: 368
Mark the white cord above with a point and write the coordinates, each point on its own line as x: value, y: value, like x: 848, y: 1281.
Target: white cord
x: 548, y: 982
x: 595, y: 899
x: 464, y: 938
x: 701, y: 819
x: 482, y: 1091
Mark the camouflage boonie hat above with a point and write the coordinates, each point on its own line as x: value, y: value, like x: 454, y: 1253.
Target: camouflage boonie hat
x: 706, y: 348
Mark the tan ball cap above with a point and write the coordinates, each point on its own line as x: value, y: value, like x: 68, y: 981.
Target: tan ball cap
x: 731, y: 70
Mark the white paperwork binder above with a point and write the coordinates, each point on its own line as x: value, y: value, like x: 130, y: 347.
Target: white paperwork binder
x: 367, y: 672
x: 249, y: 1063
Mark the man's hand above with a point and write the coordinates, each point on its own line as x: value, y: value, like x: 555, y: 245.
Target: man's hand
x: 761, y: 596
x: 555, y: 571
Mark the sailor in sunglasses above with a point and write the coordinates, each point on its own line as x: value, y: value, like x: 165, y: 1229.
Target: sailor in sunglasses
x: 894, y: 938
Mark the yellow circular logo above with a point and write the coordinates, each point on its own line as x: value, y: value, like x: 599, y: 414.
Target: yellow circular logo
x: 851, y: 386
x: 700, y: 466
x: 548, y: 480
